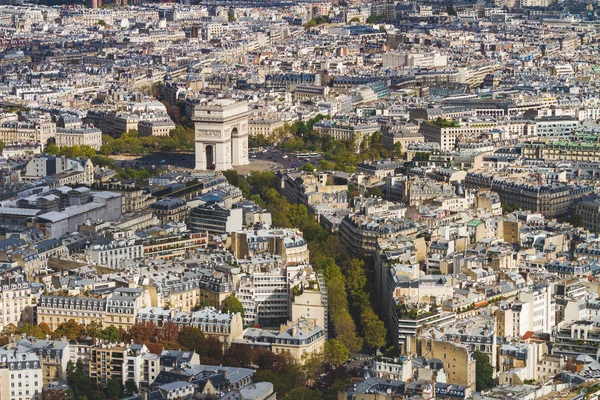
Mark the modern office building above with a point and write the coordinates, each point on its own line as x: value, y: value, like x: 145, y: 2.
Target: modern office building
x: 213, y: 219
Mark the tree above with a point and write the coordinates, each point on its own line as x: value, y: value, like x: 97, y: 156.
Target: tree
x: 101, y: 22
x: 239, y: 354
x: 143, y: 332
x: 79, y: 381
x: 112, y: 334
x: 70, y: 329
x: 312, y: 366
x: 10, y: 329
x: 338, y: 385
x: 169, y: 333
x: 52, y: 150
x: 212, y: 351
x: 130, y: 388
x: 335, y: 352
x: 32, y: 331
x: 45, y: 328
x: 238, y: 181
x: 56, y: 394
x: 375, y: 18
x: 155, y: 348
x: 303, y: 393
x: 191, y: 338
x: 232, y: 305
x: 94, y: 329
x: 355, y: 19
x: 577, y: 220
x: 2, y: 145
x: 115, y: 389
x: 374, y: 192
x: 231, y: 16
x: 345, y: 329
x: 374, y: 330
x: 376, y: 138
x: 484, y: 376
x: 450, y: 10
x: 308, y: 167
x: 397, y: 150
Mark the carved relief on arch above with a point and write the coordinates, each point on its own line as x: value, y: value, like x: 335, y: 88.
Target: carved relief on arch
x: 203, y: 133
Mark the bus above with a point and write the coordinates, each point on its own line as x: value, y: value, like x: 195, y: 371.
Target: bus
x: 307, y: 155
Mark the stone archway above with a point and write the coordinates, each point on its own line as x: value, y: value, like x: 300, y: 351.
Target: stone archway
x: 210, y: 157
x: 234, y: 134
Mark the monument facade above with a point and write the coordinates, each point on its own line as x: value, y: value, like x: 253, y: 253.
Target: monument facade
x: 221, y: 129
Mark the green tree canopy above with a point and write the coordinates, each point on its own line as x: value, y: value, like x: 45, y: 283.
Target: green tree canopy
x: 577, y: 220
x: 70, y: 329
x: 335, y: 352
x: 303, y: 393
x: 233, y: 305
x: 114, y: 389
x: 484, y: 376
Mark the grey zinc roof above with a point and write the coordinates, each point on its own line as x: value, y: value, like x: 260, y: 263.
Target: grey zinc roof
x: 234, y: 374
x: 258, y: 390
x: 19, y: 211
x: 174, y: 385
x: 53, y: 216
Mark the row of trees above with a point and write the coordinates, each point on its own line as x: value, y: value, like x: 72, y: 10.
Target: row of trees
x: 130, y: 142
x: 347, y: 278
x: 180, y: 138
x: 70, y: 330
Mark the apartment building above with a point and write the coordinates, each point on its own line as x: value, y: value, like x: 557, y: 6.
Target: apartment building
x: 359, y: 232
x: 85, y: 136
x: 20, y: 374
x: 562, y: 150
x: 12, y: 132
x: 534, y: 310
x: 551, y: 200
x: 555, y: 128
x: 458, y: 360
x: 124, y: 363
x: 414, y: 59
x: 264, y: 126
x: 184, y: 292
x: 310, y: 301
x: 117, y: 310
x: 174, y: 246
x: 112, y: 254
x: 286, y: 243
x: 155, y: 128
x: 313, y: 190
x: 42, y: 166
x: 54, y: 356
x: 299, y: 339
x: 213, y: 323
x: 265, y: 294
x: 447, y: 136
x: 347, y: 131
x: 170, y: 209
x: 16, y: 304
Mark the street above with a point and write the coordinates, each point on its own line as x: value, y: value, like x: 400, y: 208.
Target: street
x: 271, y: 159
x: 286, y: 160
